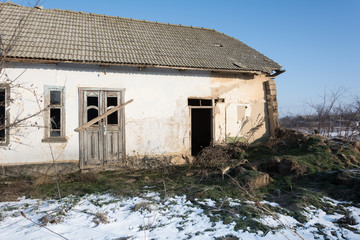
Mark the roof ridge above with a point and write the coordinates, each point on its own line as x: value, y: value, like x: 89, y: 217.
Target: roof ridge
x: 109, y: 16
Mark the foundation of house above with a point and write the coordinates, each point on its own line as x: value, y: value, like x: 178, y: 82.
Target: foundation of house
x: 38, y: 169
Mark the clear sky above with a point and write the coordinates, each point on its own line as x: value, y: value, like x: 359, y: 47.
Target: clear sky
x: 316, y: 41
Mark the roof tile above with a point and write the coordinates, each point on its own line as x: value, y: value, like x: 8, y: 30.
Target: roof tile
x: 65, y: 35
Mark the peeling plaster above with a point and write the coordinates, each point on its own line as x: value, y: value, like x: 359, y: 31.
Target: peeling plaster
x: 157, y: 122
x: 239, y: 90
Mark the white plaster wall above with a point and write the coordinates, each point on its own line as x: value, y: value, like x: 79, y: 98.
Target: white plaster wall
x: 239, y: 90
x: 157, y: 122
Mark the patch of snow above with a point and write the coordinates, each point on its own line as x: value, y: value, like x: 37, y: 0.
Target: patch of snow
x: 207, y: 202
x: 270, y: 203
x: 150, y: 217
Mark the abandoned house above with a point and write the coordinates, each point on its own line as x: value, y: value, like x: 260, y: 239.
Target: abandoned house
x: 91, y: 90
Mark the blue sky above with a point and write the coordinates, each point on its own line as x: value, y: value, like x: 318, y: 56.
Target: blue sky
x: 316, y: 41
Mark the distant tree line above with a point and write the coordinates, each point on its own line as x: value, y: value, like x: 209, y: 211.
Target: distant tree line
x: 330, y: 117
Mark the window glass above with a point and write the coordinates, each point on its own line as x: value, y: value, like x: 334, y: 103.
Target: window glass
x: 55, y: 97
x: 55, y: 133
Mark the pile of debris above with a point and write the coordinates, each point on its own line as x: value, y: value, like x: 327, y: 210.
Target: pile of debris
x: 234, y: 160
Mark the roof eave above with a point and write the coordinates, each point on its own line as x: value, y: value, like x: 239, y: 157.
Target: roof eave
x: 277, y: 73
x: 55, y: 61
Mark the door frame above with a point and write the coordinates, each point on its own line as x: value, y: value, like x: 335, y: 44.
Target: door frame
x: 212, y: 119
x: 81, y: 91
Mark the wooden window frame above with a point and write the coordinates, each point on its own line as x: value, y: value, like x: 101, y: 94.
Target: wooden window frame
x: 48, y: 107
x: 6, y: 87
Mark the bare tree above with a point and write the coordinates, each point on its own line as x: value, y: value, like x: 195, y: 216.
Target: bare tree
x: 324, y: 111
x: 12, y: 84
x: 346, y: 117
x: 8, y: 41
x: 330, y: 117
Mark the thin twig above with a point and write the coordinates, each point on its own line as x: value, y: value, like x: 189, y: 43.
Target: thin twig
x: 23, y: 214
x: 164, y: 187
x: 17, y: 122
x: 55, y: 170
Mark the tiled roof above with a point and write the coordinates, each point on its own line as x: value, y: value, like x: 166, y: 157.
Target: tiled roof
x: 63, y: 35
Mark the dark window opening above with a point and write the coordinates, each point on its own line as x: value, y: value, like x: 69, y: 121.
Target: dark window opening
x: 193, y: 102
x: 2, y: 134
x: 112, y: 101
x: 206, y: 102
x: 92, y: 101
x: 55, y: 97
x: 2, y: 114
x: 55, y: 118
x: 112, y: 118
x: 200, y: 102
x: 201, y: 129
x: 91, y: 114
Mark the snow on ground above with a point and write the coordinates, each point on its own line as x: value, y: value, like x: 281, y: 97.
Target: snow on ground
x: 150, y: 217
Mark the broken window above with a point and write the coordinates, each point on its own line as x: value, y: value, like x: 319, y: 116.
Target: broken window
x: 3, y: 114
x: 112, y: 102
x: 92, y: 101
x: 55, y: 122
x: 200, y: 102
x: 201, y: 123
x: 92, y: 108
x: 54, y: 114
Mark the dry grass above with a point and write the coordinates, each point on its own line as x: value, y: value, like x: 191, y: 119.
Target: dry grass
x: 12, y: 190
x: 101, y: 217
x: 81, y: 177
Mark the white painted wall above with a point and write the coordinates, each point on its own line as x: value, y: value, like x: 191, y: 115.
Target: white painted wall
x: 239, y: 91
x: 157, y: 122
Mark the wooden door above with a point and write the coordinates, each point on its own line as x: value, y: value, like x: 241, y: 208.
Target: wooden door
x: 103, y: 142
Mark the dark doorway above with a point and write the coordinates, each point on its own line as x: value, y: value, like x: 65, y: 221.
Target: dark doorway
x: 201, y: 129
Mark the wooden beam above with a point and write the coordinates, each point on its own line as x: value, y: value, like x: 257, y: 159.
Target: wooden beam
x: 98, y: 118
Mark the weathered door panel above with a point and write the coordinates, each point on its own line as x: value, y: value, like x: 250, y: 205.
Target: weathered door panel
x: 92, y: 149
x: 103, y: 142
x: 113, y: 144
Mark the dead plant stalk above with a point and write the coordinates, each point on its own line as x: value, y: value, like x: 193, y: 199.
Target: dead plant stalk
x: 23, y: 214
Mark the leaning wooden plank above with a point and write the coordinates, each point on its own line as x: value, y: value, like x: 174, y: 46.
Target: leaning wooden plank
x: 98, y: 118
